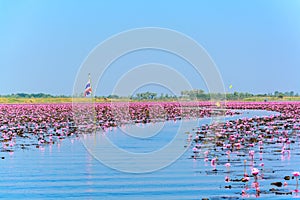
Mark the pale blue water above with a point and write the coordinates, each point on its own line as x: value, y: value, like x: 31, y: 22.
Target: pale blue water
x: 67, y: 170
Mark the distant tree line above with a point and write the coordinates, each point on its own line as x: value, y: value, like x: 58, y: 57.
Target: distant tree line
x: 151, y: 96
x: 201, y: 95
x: 37, y: 95
x: 196, y: 94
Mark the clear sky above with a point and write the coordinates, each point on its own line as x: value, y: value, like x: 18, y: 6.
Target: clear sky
x: 255, y: 44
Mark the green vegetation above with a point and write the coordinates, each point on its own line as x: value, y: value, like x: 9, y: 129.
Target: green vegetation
x: 187, y: 95
x: 38, y: 95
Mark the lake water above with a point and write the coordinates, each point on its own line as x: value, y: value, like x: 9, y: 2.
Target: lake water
x: 67, y: 170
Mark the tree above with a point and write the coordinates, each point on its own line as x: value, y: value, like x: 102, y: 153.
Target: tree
x: 113, y: 96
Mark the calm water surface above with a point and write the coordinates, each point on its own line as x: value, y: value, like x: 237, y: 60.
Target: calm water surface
x: 67, y: 170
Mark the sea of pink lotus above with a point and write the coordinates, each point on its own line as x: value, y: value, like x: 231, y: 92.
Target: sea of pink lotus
x: 246, y: 141
x: 47, y: 122
x: 24, y: 125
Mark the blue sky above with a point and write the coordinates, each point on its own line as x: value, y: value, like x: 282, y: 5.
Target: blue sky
x: 255, y: 44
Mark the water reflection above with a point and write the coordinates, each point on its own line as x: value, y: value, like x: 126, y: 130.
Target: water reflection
x: 65, y: 169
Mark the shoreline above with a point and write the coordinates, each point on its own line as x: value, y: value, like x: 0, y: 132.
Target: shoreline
x: 53, y: 100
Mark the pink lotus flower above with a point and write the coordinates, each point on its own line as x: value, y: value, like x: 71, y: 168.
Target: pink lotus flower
x: 195, y: 150
x: 244, y: 194
x: 213, y: 162
x: 251, y: 153
x: 296, y: 174
x: 262, y: 164
x: 206, y: 153
x: 227, y: 179
x: 227, y: 165
x: 255, y: 171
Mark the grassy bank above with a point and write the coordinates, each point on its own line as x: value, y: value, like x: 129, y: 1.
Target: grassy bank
x: 53, y: 100
x: 271, y: 99
x: 11, y: 100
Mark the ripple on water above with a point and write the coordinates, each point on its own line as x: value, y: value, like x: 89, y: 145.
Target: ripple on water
x: 67, y: 170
